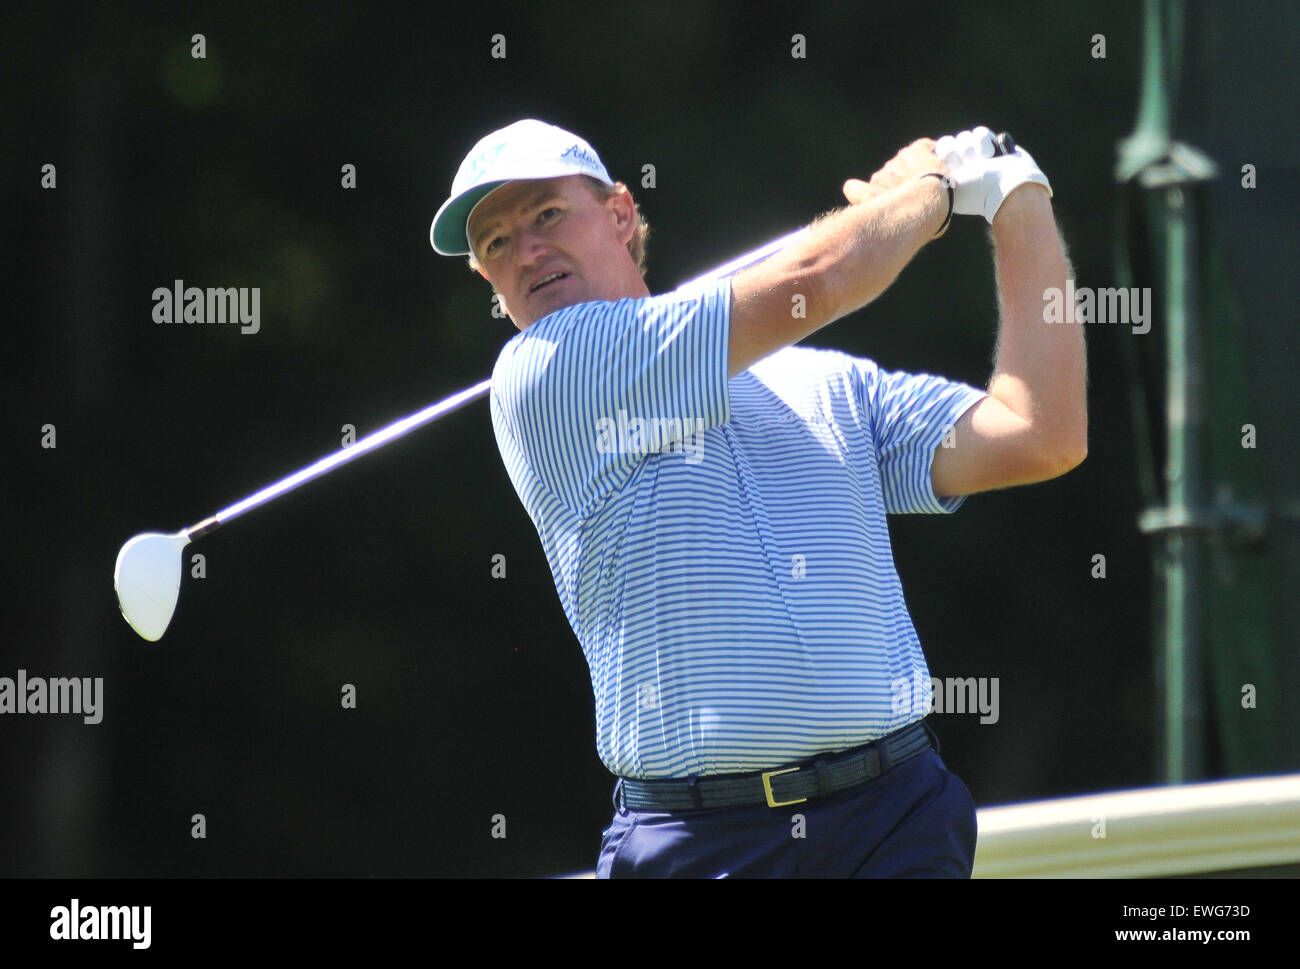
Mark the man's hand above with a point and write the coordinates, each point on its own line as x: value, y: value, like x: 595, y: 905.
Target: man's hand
x: 909, y: 164
x: 982, y: 179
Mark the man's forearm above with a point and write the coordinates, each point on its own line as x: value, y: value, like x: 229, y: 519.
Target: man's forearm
x: 1040, y: 369
x: 846, y: 260
x: 864, y: 247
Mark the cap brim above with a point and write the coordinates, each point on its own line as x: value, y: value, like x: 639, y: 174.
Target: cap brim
x: 447, y: 234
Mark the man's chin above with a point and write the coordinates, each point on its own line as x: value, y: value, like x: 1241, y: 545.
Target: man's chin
x: 546, y: 301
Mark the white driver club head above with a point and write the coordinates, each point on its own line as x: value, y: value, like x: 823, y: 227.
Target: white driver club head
x: 147, y: 578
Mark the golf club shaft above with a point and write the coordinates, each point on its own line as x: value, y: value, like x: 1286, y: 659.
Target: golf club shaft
x: 1003, y: 144
x: 332, y: 461
x: 434, y: 411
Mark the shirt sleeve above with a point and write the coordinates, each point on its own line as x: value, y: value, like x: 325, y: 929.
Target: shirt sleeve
x: 910, y: 414
x: 587, y: 393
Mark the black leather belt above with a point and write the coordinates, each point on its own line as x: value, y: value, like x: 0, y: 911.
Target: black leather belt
x: 784, y: 785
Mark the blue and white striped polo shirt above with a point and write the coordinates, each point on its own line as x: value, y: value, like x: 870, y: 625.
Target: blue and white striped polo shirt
x: 720, y: 546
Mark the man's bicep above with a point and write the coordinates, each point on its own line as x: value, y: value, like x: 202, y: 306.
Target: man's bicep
x: 992, y: 447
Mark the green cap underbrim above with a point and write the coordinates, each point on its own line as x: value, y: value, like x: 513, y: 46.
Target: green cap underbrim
x: 448, y: 233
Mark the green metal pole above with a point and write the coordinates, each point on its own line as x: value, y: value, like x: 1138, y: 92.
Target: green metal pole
x: 1184, y: 680
x: 1161, y: 165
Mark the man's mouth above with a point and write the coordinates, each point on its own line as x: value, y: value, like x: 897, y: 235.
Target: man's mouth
x: 546, y: 281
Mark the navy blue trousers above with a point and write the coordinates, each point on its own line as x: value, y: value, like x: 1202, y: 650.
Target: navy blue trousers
x: 917, y: 820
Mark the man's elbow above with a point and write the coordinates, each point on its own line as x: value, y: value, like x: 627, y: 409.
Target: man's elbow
x: 1069, y: 456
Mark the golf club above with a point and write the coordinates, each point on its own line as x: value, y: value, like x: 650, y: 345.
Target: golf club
x: 147, y: 575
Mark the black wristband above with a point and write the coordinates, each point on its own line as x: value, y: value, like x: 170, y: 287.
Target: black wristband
x: 952, y: 197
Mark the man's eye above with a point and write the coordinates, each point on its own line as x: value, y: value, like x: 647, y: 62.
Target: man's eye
x: 492, y: 246
x: 546, y: 214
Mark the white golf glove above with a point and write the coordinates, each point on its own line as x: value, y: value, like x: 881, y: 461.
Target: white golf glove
x: 981, y: 178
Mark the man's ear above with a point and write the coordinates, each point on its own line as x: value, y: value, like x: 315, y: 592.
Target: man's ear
x: 623, y: 211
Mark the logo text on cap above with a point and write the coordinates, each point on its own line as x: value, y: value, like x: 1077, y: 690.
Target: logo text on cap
x: 480, y: 164
x: 581, y: 154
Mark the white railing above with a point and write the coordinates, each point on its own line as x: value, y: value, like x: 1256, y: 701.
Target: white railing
x: 1151, y: 832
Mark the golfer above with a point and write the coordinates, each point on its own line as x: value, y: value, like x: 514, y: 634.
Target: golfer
x: 711, y: 498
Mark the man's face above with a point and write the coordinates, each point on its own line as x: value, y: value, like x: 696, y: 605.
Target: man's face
x: 546, y: 244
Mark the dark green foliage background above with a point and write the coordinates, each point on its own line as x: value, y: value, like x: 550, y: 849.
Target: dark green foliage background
x: 473, y: 695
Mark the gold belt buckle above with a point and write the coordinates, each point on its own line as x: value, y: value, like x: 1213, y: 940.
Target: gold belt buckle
x: 767, y: 788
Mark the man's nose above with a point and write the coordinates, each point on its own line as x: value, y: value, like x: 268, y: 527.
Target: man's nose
x: 531, y: 246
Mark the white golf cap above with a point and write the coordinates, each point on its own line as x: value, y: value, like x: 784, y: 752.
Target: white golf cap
x: 525, y: 149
